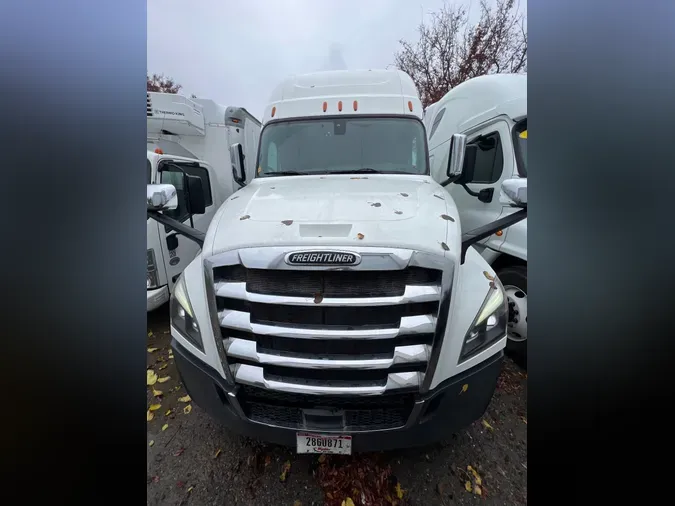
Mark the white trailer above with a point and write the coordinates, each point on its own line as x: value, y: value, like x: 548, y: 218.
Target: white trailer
x: 190, y: 136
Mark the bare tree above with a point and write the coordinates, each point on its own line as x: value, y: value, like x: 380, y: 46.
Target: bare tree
x: 162, y: 84
x: 450, y: 50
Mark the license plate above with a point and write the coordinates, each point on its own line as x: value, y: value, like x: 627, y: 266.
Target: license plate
x: 324, y: 443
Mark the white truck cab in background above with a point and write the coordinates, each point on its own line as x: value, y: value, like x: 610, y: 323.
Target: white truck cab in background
x: 190, y: 136
x: 335, y: 305
x: 492, y: 112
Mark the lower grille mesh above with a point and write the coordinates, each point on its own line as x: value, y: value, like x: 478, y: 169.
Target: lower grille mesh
x: 286, y: 410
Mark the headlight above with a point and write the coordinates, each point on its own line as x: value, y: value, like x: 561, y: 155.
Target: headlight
x: 182, y: 314
x: 152, y: 280
x: 490, y: 324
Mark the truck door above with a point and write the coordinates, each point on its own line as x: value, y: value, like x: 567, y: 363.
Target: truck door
x: 178, y: 251
x: 494, y: 163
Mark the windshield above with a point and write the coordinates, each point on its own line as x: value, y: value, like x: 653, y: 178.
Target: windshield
x: 520, y: 140
x: 343, y: 145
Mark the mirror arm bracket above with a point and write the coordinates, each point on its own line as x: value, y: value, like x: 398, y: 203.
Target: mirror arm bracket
x: 469, y: 190
x: 450, y: 180
x: 180, y: 228
x: 473, y: 236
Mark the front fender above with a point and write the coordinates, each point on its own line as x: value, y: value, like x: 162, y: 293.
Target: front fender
x: 515, y: 241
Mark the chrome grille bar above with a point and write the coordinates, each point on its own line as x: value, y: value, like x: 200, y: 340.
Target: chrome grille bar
x: 414, y: 293
x: 245, y: 349
x: 410, y: 325
x: 255, y: 376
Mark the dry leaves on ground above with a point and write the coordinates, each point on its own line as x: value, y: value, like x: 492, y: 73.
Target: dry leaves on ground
x: 362, y: 479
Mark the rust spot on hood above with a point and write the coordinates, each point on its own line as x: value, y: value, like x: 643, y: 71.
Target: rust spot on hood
x: 245, y: 217
x: 488, y: 276
x: 358, y: 178
x: 446, y: 217
x: 375, y: 204
x: 404, y: 194
x: 287, y: 222
x: 445, y: 246
x: 360, y: 236
x: 438, y: 197
x: 235, y: 197
x: 398, y: 212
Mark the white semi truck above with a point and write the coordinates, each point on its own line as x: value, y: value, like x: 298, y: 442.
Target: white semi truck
x: 191, y: 136
x: 335, y: 305
x: 492, y: 112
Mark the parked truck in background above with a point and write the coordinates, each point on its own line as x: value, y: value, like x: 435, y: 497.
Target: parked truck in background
x: 335, y: 305
x: 190, y: 136
x: 492, y: 112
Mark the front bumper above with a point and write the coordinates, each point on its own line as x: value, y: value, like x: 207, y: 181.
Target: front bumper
x: 435, y: 416
x: 157, y: 297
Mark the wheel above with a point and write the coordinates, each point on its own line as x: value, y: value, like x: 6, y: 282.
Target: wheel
x: 514, y: 279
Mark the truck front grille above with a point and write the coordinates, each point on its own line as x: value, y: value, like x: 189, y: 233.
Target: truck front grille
x: 353, y: 344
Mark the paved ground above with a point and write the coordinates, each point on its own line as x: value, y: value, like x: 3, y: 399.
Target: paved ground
x: 194, y: 460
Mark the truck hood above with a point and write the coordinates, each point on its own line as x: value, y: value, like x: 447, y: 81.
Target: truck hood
x: 400, y: 211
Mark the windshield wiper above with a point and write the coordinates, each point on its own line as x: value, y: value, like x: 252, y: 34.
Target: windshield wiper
x: 365, y: 170
x: 287, y: 173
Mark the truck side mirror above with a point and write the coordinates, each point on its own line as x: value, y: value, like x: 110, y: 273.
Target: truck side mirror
x: 514, y: 192
x: 237, y: 159
x: 456, y: 158
x: 469, y: 165
x: 162, y: 197
x: 195, y: 194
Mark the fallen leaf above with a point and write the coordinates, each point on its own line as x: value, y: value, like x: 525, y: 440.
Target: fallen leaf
x: 164, y: 379
x: 399, y: 491
x: 152, y: 350
x: 465, y: 387
x: 155, y: 407
x: 348, y: 502
x: 165, y: 426
x: 150, y: 415
x: 190, y: 489
x: 488, y: 275
x: 187, y: 409
x: 479, y: 480
x: 360, y: 236
x: 152, y: 442
x: 487, y: 425
x: 157, y: 393
x: 467, y: 486
x: 150, y: 334
x: 155, y: 479
x: 217, y: 453
x: 152, y: 377
x: 168, y: 412
x: 318, y: 298
x: 268, y: 460
x: 164, y: 366
x: 322, y: 458
x: 284, y: 470
x: 184, y: 399
x: 297, y: 503
x: 179, y: 452
x: 524, y: 420
x: 478, y: 490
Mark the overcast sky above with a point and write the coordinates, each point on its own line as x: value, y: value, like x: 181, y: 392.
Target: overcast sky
x: 236, y: 52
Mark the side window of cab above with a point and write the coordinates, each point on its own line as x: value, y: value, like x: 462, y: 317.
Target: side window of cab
x: 172, y: 173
